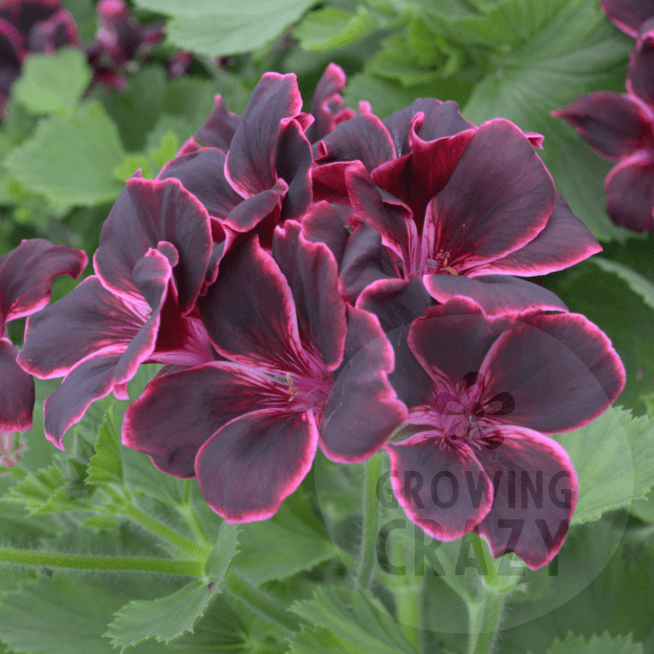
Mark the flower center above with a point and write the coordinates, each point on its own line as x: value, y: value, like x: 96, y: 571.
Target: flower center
x: 460, y: 414
x: 11, y: 449
x: 309, y: 392
x: 438, y: 264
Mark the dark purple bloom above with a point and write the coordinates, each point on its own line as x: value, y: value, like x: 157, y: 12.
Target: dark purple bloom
x: 121, y: 39
x: 152, y: 264
x: 25, y: 276
x: 457, y: 210
x: 492, y: 387
x: 30, y: 26
x: 620, y: 127
x: 257, y: 171
x: 628, y: 15
x: 303, y: 369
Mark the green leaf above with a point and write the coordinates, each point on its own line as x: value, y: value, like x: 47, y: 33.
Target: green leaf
x: 64, y: 614
x: 291, y: 541
x: 637, y: 283
x: 43, y: 492
x: 71, y: 159
x: 606, y: 299
x: 562, y: 49
x: 217, y: 28
x: 143, y: 478
x: 396, y: 60
x: 106, y: 465
x: 131, y: 164
x: 644, y: 509
x: 137, y: 109
x: 53, y: 84
x: 361, y: 623
x: 604, y: 644
x: 329, y: 28
x: 169, y: 617
x: 614, y: 459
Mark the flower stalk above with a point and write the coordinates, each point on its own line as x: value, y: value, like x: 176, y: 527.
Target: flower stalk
x: 370, y: 522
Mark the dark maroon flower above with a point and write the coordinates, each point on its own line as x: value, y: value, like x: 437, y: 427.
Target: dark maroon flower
x: 25, y: 276
x: 327, y: 105
x: 179, y: 64
x: 302, y: 370
x: 258, y: 174
x: 457, y: 211
x: 478, y: 458
x: 30, y: 26
x: 628, y: 15
x: 152, y: 264
x: 620, y: 127
x: 121, y: 39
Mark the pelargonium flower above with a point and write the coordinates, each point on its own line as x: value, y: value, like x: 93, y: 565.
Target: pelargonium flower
x: 628, y: 15
x: 151, y: 266
x: 30, y: 26
x: 262, y: 176
x: 620, y: 127
x: 121, y: 39
x: 478, y: 458
x: 25, y: 276
x: 453, y: 204
x: 302, y: 369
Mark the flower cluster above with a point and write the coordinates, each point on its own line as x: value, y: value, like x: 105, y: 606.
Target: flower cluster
x: 330, y: 280
x: 35, y: 26
x: 620, y: 126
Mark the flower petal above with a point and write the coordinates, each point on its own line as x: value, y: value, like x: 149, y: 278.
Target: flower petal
x: 251, y: 158
x: 443, y: 489
x: 362, y: 138
x: 536, y: 491
x: 86, y: 322
x: 253, y: 463
x: 312, y: 275
x: 327, y: 103
x: 16, y: 391
x: 249, y: 312
x: 26, y: 273
x: 152, y: 275
x: 327, y: 223
x: 48, y: 35
x: 560, y: 370
x: 640, y: 80
x: 493, y: 204
x: 614, y: 124
x: 90, y: 380
x: 177, y: 413
x: 218, y: 130
x: 495, y: 294
x: 440, y: 119
x: 393, y: 221
x: 364, y: 262
x: 628, y: 15
x: 629, y: 189
x: 203, y: 174
x: 293, y: 163
x: 147, y: 212
x: 362, y: 410
x: 260, y: 208
x: 451, y: 339
x: 397, y: 303
x: 564, y: 242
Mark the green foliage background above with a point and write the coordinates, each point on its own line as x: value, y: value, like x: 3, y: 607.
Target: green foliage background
x: 65, y: 152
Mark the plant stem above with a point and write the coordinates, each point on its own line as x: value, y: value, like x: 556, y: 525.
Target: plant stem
x: 484, y: 619
x: 123, y: 563
x: 198, y: 552
x: 485, y: 614
x: 261, y: 603
x: 370, y: 522
x: 407, y: 594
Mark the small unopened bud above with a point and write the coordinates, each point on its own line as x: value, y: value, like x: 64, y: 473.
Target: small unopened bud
x: 11, y: 449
